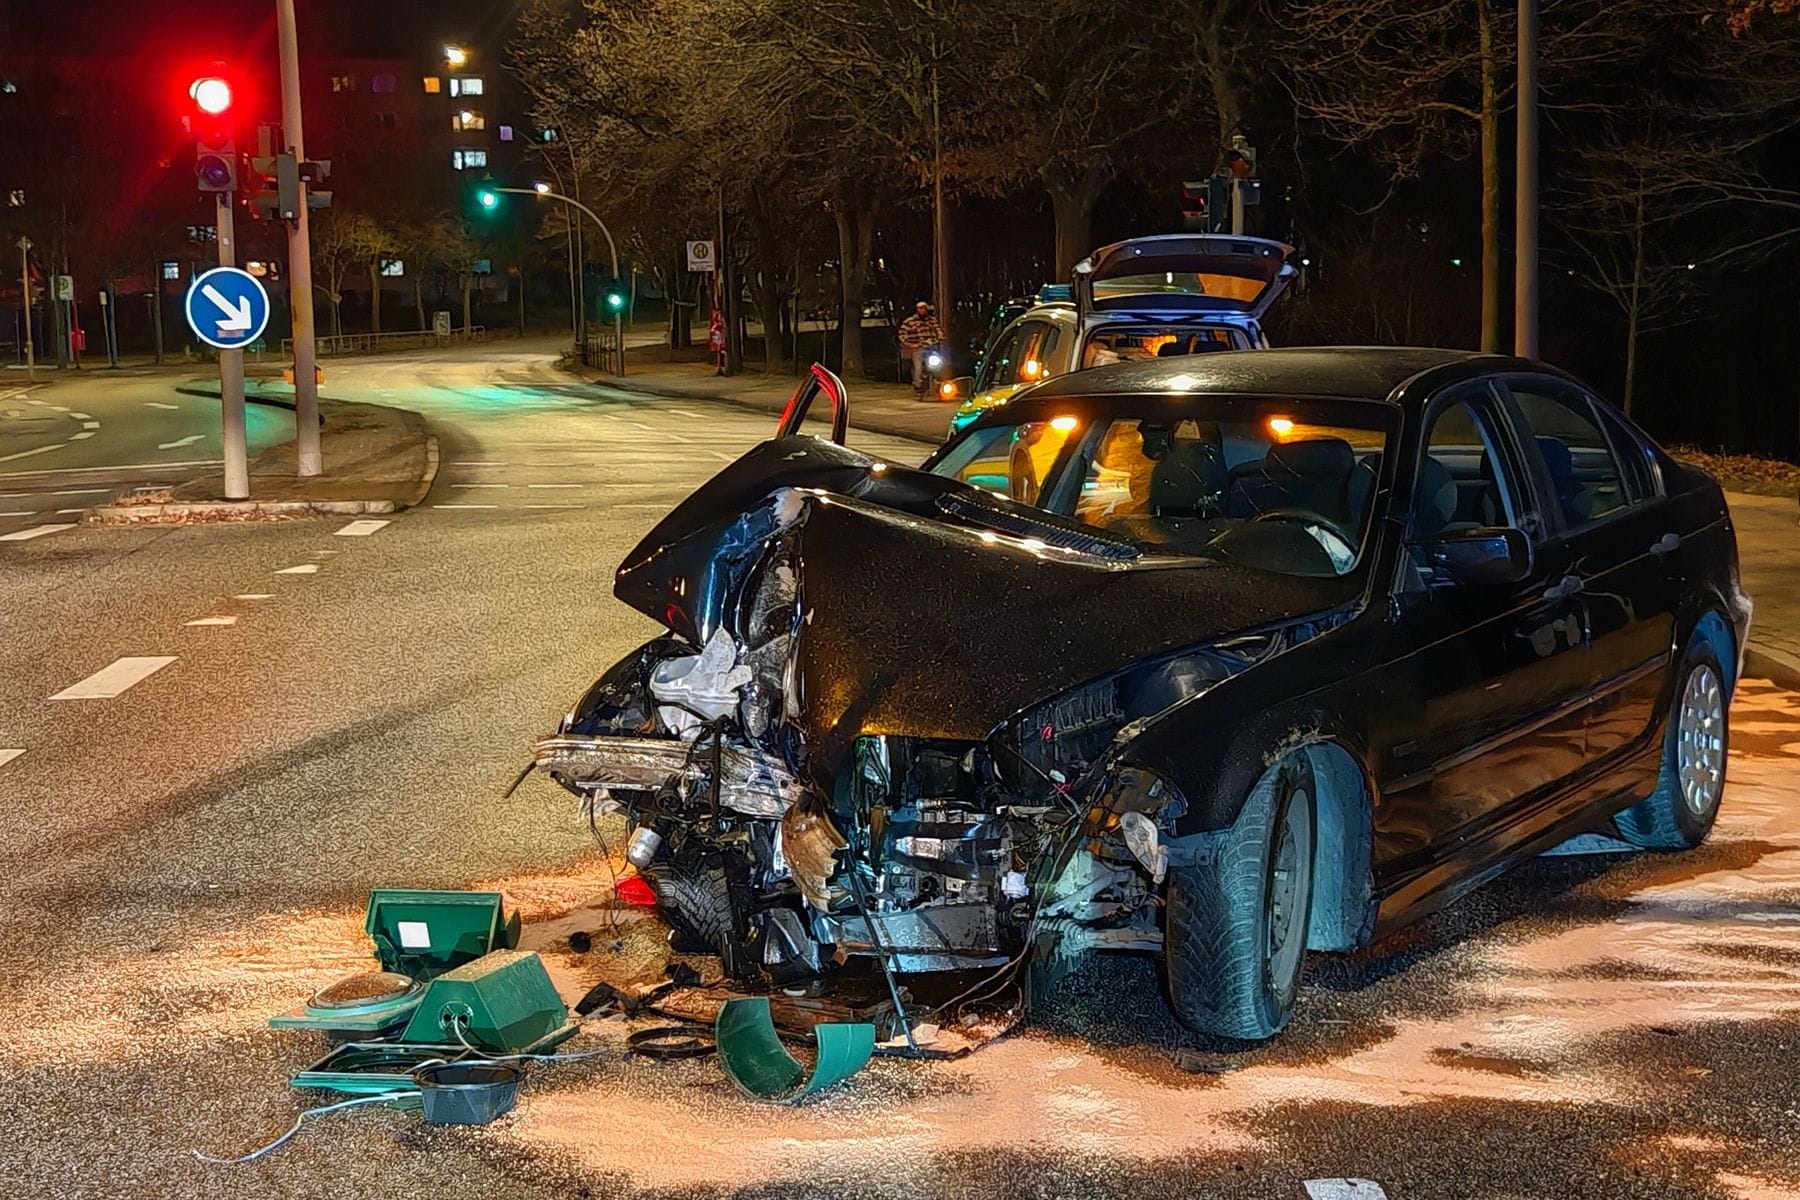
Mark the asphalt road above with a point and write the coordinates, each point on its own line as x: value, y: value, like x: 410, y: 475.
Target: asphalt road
x: 68, y: 445
x: 187, y: 856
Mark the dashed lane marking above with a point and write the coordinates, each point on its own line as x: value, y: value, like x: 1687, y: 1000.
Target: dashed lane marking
x: 63, y: 512
x: 89, y: 424
x: 76, y: 437
x: 36, y: 531
x: 30, y: 512
x: 189, y: 440
x: 556, y: 506
x: 302, y: 569
x: 7, y: 756
x: 658, y: 506
x: 82, y: 416
x: 81, y: 492
x: 360, y: 528
x: 554, y: 485
x: 480, y: 485
x: 255, y: 596
x: 471, y: 462
x: 465, y: 506
x: 60, y: 407
x: 115, y: 679
x: 46, y: 403
x: 29, y: 453
x: 161, y: 405
x: 212, y: 621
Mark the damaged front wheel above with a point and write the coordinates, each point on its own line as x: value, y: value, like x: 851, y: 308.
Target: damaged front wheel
x: 1237, y: 917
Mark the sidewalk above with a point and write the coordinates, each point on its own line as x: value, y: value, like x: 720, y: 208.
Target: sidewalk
x: 378, y: 460
x: 886, y: 408
x: 1768, y: 532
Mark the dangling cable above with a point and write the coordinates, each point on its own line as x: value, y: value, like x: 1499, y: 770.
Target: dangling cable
x: 384, y: 1098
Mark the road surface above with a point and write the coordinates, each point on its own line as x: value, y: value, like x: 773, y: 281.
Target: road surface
x: 214, y: 740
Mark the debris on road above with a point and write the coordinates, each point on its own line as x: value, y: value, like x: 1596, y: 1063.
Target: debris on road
x: 752, y: 1054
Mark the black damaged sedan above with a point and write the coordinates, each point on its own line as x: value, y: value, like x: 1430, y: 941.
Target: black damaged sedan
x: 1221, y: 658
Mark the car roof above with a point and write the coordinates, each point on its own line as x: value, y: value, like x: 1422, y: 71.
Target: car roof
x: 1365, y: 372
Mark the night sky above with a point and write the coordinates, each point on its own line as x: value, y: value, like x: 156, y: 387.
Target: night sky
x: 338, y: 27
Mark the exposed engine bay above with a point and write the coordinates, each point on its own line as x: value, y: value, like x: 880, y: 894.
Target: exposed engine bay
x: 805, y: 786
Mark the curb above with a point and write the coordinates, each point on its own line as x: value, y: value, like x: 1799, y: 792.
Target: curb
x: 882, y: 427
x: 1778, y: 667
x: 431, y: 470
x: 233, y: 510
x: 250, y: 397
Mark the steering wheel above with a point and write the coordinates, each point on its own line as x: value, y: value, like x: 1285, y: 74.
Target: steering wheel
x: 1343, y: 554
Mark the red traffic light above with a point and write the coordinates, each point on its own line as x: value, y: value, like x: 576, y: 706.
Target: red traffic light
x: 211, y: 95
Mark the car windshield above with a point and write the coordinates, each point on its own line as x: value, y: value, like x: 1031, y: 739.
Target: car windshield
x: 1286, y: 485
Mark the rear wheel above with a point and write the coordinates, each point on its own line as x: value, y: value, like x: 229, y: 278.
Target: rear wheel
x: 1679, y: 813
x: 1237, y: 919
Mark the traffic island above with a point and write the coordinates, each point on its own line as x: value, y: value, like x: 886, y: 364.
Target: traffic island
x: 377, y: 460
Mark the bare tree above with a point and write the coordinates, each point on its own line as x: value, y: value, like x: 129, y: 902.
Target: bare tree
x: 343, y: 240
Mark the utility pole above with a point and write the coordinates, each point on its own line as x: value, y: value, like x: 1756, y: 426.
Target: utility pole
x: 940, y: 224
x: 25, y: 291
x: 156, y: 282
x: 1525, y: 254
x: 300, y: 284
x: 231, y: 372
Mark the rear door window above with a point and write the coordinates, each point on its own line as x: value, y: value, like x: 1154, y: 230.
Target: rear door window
x: 1586, y: 481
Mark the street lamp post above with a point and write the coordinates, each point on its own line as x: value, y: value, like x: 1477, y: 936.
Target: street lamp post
x: 309, y: 460
x: 25, y: 285
x: 546, y: 192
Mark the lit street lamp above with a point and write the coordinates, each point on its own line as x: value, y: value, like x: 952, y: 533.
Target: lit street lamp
x: 489, y: 199
x: 456, y: 56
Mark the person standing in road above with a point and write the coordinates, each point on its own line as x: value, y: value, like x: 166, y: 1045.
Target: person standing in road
x: 920, y: 333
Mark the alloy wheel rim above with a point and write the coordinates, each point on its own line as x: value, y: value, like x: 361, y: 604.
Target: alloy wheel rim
x: 1291, y: 857
x: 1700, y: 740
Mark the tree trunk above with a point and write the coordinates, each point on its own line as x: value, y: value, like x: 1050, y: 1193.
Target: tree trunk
x: 1490, y: 185
x: 765, y: 283
x: 856, y: 247
x: 521, y: 271
x: 1632, y: 305
x: 375, y: 296
x: 468, y: 289
x: 419, y: 301
x: 337, y: 313
x: 1073, y: 195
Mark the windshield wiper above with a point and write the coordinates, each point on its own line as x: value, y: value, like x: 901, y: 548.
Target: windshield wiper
x: 1019, y: 524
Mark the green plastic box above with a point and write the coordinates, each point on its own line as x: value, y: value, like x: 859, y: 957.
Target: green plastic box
x: 504, y: 1003
x: 426, y: 933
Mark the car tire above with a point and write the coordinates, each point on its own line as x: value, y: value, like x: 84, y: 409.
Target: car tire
x: 1235, y: 937
x: 1680, y: 812
x: 694, y: 901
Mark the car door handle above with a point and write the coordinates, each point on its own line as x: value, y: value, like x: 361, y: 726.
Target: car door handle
x: 1563, y: 588
x: 1668, y: 543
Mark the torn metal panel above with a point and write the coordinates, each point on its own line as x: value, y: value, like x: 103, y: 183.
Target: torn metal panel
x: 750, y: 782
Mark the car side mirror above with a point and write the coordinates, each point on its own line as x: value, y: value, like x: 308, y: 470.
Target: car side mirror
x: 1480, y: 555
x: 957, y: 389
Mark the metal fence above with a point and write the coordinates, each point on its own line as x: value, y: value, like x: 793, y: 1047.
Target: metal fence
x: 601, y: 349
x: 334, y: 345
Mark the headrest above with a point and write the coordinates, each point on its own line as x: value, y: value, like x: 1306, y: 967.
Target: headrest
x: 1313, y: 458
x: 1556, y: 456
x: 1435, y: 504
x: 1189, y: 480
x: 1174, y: 349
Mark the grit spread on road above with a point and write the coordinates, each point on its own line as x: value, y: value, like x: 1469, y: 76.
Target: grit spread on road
x: 254, y: 724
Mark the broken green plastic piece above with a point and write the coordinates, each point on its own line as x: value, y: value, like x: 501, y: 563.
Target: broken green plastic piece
x: 752, y: 1054
x: 426, y: 933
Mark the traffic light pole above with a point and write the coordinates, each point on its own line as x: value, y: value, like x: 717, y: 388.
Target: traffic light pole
x: 300, y: 284
x: 25, y: 286
x: 612, y: 248
x: 231, y: 372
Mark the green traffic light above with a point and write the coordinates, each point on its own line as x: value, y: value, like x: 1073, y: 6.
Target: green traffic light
x: 488, y: 198
x: 615, y: 300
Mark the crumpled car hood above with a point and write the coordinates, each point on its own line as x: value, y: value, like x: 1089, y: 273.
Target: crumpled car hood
x: 914, y: 622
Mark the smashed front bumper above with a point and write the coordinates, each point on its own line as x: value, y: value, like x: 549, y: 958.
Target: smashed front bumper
x: 749, y: 782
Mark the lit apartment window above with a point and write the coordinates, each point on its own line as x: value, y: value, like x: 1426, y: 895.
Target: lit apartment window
x: 433, y: 85
x: 464, y: 160
x: 393, y: 268
x: 466, y: 85
x: 468, y: 120
x: 549, y: 135
x: 506, y: 133
x: 383, y: 83
x: 343, y: 83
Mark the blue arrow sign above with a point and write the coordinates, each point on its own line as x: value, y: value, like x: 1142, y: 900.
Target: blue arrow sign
x: 227, y: 308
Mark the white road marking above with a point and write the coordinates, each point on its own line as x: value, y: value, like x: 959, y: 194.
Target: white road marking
x: 212, y: 621
x: 470, y: 462
x: 90, y: 424
x: 113, y: 680
x: 302, y: 569
x: 360, y: 528
x: 30, y: 512
x: 189, y: 440
x: 662, y: 506
x: 76, y: 437
x: 556, y: 506
x: 63, y: 512
x: 82, y: 416
x: 161, y: 405
x: 29, y: 453
x: 465, y: 506
x: 81, y: 492
x: 44, y: 402
x: 555, y: 485
x: 255, y: 596
x: 60, y: 407
x: 7, y: 756
x: 480, y: 485
x: 36, y: 531
x: 692, y: 416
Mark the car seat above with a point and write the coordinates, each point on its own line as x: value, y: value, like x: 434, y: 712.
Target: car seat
x: 1312, y: 474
